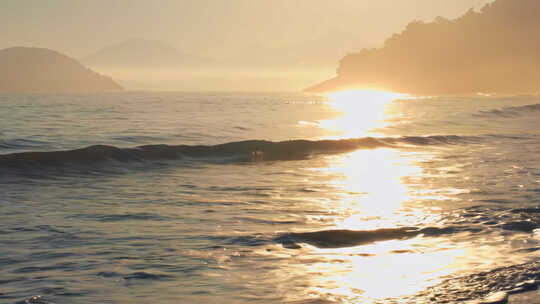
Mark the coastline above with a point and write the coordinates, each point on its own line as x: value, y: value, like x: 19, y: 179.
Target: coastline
x: 529, y: 297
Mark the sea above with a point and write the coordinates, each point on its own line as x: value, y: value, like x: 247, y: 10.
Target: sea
x: 351, y: 197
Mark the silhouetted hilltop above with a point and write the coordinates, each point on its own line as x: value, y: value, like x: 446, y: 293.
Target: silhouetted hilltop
x: 141, y: 53
x: 495, y: 50
x: 38, y: 70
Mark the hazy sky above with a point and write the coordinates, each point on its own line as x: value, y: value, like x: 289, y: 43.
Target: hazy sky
x: 218, y: 28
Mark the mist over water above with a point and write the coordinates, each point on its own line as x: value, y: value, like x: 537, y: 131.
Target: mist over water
x: 242, y: 198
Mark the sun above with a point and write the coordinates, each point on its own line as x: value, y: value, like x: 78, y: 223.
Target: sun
x: 362, y: 111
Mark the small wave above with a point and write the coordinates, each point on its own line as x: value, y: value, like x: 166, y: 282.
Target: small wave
x: 21, y: 143
x: 509, y: 111
x: 476, y: 219
x: 123, y: 217
x: 492, y: 286
x: 251, y: 150
x: 141, y: 275
x: 521, y: 226
x: 349, y: 238
x: 137, y: 139
x: 35, y: 300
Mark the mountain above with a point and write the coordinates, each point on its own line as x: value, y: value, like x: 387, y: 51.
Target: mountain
x: 142, y: 53
x: 39, y: 70
x: 495, y: 50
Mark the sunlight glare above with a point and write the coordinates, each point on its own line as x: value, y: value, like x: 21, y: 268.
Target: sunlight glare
x: 372, y: 193
x: 362, y: 111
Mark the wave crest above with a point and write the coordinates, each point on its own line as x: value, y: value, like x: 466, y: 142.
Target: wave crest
x: 509, y: 111
x: 250, y: 150
x: 349, y: 238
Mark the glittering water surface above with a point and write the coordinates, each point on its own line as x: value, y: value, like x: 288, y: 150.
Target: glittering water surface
x: 392, y: 199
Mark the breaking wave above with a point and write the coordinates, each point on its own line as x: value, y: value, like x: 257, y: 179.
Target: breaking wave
x: 251, y: 150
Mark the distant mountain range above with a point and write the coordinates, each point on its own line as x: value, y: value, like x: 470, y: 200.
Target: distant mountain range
x: 142, y: 53
x: 39, y: 70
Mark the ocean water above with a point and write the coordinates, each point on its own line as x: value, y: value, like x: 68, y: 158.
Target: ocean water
x: 356, y: 197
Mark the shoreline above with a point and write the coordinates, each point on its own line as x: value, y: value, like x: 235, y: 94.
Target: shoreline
x: 529, y: 297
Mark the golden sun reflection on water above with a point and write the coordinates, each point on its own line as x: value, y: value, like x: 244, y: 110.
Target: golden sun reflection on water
x: 362, y: 111
x: 373, y: 194
x: 377, y: 174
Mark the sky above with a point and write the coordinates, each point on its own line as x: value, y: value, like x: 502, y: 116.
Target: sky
x: 214, y: 28
x: 268, y: 33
